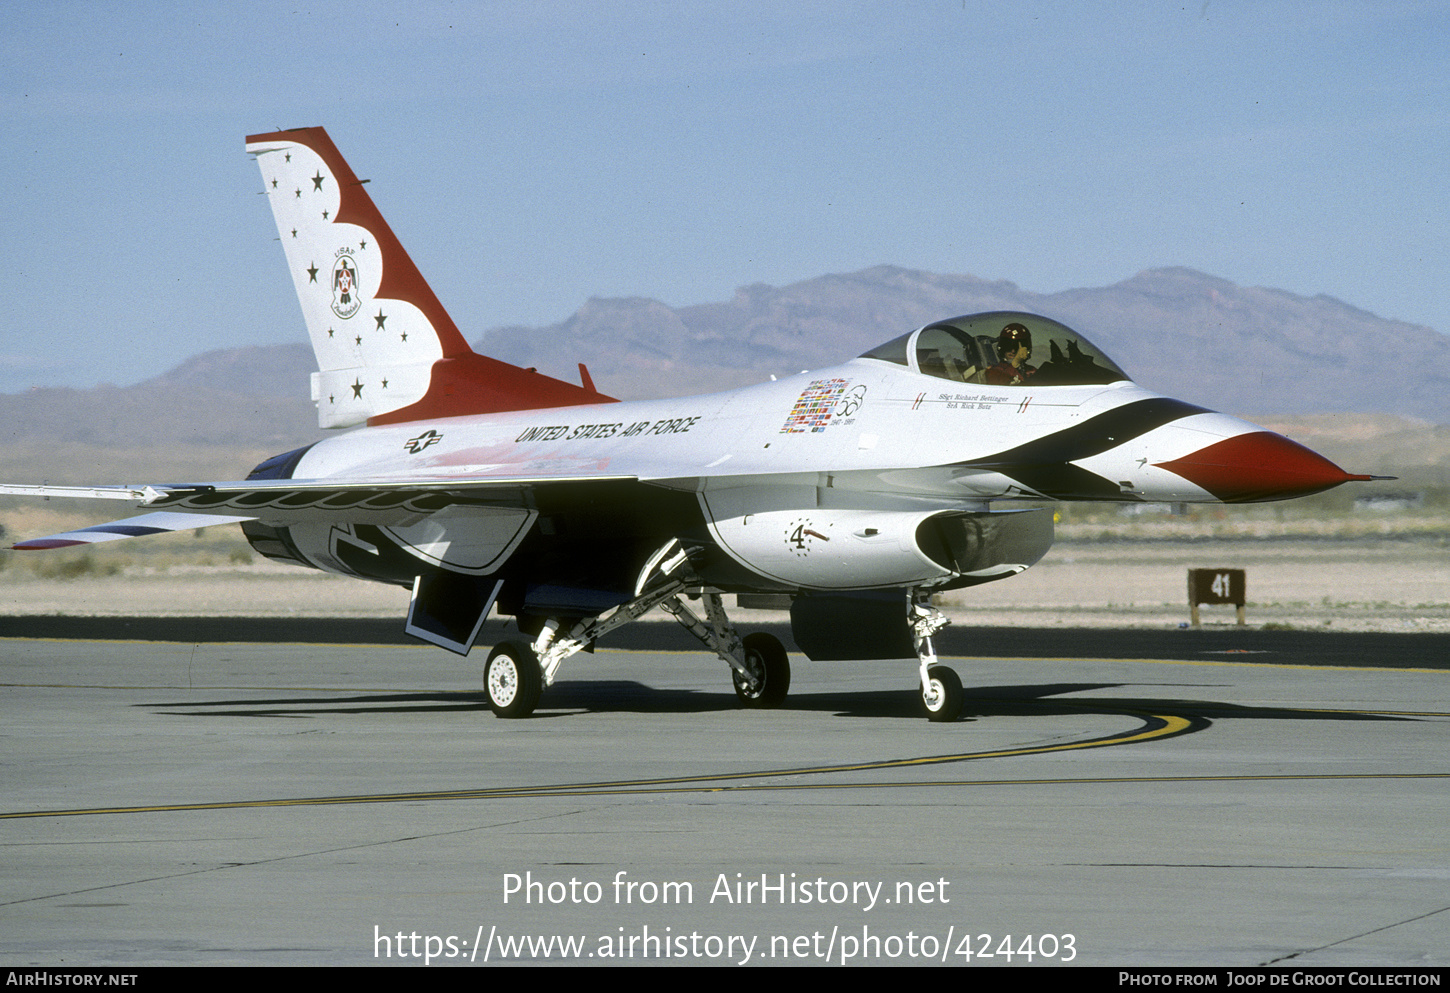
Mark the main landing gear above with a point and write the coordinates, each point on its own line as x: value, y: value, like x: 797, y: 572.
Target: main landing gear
x: 941, y: 688
x: 513, y: 679
x: 518, y: 672
x: 766, y: 661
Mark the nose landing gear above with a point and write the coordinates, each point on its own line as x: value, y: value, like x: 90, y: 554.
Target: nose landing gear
x: 941, y: 687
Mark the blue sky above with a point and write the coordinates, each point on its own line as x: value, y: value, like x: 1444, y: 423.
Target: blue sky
x: 532, y: 155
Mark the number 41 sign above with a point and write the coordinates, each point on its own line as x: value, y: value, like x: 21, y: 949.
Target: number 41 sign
x: 1215, y: 586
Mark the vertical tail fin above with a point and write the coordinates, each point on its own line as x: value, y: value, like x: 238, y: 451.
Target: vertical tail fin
x: 386, y: 349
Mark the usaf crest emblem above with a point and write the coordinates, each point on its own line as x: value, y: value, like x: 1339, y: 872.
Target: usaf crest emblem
x: 345, y: 296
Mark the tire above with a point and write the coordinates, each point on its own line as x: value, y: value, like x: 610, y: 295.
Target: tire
x: 946, y: 686
x: 766, y: 659
x: 512, y: 680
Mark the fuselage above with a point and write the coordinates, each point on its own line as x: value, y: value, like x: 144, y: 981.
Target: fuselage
x: 868, y: 475
x: 870, y: 426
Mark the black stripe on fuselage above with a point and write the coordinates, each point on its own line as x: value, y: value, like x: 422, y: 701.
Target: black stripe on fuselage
x: 1045, y: 464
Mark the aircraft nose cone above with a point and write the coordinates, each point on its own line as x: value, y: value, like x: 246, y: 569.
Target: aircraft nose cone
x: 1260, y: 465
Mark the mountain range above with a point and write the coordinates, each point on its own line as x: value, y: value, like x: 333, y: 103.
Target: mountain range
x: 1176, y: 331
x: 1248, y: 350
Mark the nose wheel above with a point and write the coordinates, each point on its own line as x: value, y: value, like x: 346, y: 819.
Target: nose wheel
x: 942, y: 697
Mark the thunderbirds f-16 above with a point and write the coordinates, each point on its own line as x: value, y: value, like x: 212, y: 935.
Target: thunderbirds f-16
x: 852, y: 493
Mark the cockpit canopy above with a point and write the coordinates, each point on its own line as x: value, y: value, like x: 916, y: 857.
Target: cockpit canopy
x: 978, y: 349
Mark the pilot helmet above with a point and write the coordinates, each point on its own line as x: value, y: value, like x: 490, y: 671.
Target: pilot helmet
x: 1012, y: 336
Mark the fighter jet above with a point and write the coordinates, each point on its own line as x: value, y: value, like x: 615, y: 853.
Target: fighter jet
x: 851, y: 494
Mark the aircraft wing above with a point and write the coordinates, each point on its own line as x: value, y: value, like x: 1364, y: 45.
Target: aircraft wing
x: 162, y: 522
x: 376, y: 500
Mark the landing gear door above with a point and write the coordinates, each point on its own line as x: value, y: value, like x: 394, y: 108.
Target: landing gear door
x: 448, y: 610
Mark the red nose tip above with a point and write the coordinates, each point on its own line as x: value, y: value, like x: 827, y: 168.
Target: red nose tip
x: 1259, y: 466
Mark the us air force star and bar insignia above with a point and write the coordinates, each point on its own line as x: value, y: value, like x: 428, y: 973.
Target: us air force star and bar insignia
x: 416, y: 445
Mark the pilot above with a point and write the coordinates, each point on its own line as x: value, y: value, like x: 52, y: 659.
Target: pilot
x: 1014, y: 348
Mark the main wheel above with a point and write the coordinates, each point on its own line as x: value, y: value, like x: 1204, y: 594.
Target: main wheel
x: 513, y: 680
x: 766, y: 659
x: 942, y: 697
